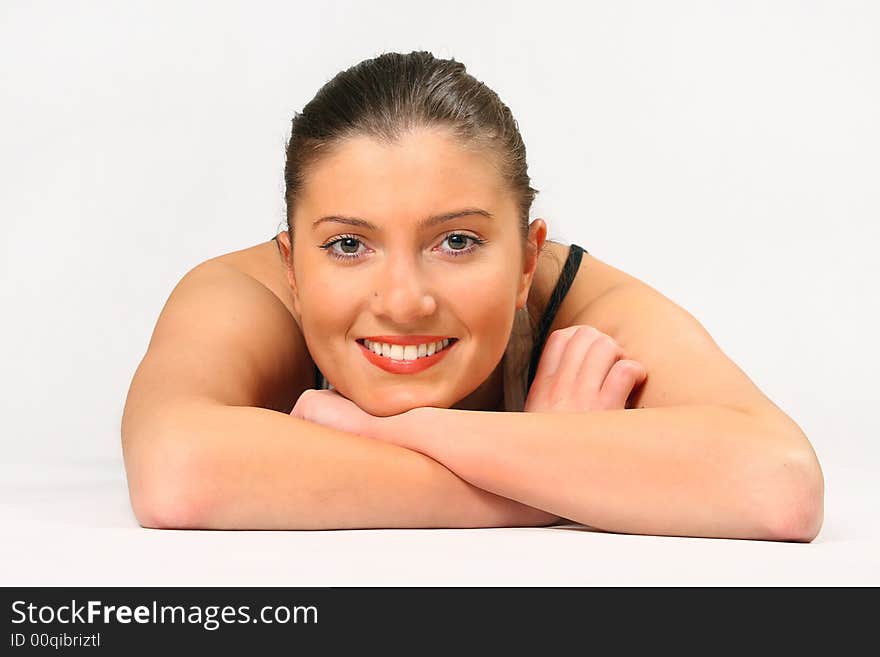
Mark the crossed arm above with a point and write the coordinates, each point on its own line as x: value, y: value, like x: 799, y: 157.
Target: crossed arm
x: 700, y: 451
x: 680, y: 471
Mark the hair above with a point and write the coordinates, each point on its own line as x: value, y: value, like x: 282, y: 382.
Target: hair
x: 386, y: 98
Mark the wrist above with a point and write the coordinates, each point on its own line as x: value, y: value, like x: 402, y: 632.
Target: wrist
x: 405, y: 428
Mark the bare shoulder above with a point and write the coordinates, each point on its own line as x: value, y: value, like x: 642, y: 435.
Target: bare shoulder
x: 222, y: 336
x: 593, y: 280
x: 262, y: 263
x: 667, y: 340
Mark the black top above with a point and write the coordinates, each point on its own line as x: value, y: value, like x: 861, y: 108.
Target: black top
x: 566, y: 278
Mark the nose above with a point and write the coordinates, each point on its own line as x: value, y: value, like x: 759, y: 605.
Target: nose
x: 402, y: 293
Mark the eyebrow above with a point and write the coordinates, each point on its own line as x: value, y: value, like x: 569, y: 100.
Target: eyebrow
x: 424, y: 223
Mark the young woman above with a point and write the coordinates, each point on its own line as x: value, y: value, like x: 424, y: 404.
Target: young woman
x: 413, y: 352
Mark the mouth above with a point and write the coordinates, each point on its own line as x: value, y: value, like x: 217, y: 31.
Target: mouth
x: 407, y: 348
x: 405, y: 359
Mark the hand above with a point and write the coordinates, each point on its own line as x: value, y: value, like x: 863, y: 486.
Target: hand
x: 330, y: 409
x: 582, y: 369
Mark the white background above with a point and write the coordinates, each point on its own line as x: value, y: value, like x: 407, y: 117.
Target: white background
x: 726, y: 153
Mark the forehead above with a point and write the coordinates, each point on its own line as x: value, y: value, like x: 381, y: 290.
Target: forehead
x: 428, y: 170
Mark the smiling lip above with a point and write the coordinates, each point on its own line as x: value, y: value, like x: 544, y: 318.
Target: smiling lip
x: 405, y: 366
x: 406, y: 339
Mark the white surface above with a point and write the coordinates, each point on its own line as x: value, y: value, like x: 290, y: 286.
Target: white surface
x: 724, y: 152
x: 73, y: 526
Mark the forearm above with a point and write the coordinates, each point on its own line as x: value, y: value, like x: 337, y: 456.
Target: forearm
x: 235, y: 467
x: 683, y: 471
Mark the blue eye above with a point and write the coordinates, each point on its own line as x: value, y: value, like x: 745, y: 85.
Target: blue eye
x: 353, y: 242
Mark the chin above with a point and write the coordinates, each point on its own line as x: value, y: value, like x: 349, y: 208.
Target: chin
x: 387, y: 410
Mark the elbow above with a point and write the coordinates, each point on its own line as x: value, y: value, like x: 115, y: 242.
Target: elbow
x: 799, y: 512
x: 165, y: 508
x: 167, y: 492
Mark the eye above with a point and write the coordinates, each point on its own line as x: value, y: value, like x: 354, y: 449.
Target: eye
x: 461, y: 239
x: 349, y: 245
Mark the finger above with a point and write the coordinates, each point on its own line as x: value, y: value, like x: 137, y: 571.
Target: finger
x: 604, y: 352
x: 618, y: 386
x: 551, y: 356
x: 576, y: 352
x: 300, y: 409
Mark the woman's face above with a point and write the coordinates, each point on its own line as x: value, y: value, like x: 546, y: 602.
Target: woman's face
x: 405, y: 277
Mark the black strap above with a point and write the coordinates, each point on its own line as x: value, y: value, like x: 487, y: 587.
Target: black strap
x: 566, y: 278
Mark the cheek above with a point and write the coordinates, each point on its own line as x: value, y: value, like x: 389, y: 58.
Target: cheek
x: 486, y: 309
x: 326, y: 301
x: 485, y: 294
x: 329, y: 309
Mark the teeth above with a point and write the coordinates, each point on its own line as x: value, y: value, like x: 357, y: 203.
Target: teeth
x: 406, y: 352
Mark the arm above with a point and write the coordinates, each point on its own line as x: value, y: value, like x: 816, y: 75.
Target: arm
x: 704, y: 471
x: 203, y: 465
